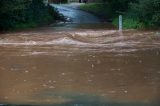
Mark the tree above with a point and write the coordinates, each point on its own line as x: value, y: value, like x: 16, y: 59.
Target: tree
x: 22, y: 13
x: 147, y: 11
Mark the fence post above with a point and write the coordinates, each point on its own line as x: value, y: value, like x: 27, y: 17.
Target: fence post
x: 120, y: 23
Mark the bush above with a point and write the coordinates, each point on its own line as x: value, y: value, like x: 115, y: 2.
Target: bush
x: 24, y: 13
x: 138, y: 13
x: 129, y: 23
x: 11, y: 12
x: 120, y: 5
x: 147, y: 12
x: 108, y: 8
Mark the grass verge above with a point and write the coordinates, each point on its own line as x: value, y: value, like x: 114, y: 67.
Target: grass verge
x: 105, y: 12
x: 129, y: 23
x: 102, y: 10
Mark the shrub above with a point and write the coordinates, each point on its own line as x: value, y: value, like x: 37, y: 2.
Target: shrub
x: 129, y: 23
x: 147, y: 12
x: 24, y: 13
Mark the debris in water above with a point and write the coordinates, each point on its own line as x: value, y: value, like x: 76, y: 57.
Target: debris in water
x: 51, y: 87
x: 63, y: 74
x: 90, y: 80
x: 93, y: 56
x: 125, y: 91
x: 93, y: 66
x: 26, y: 71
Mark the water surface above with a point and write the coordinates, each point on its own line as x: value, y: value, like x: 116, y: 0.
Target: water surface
x: 80, y: 68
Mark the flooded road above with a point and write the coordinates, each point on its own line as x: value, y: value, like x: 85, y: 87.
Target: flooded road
x: 80, y: 68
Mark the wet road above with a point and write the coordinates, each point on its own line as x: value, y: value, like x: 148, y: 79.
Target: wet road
x: 76, y: 16
x: 80, y: 68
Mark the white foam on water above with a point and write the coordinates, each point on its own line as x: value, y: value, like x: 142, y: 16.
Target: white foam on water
x: 120, y: 44
x: 66, y: 41
x: 18, y: 43
x: 100, y: 41
x: 37, y: 53
x: 95, y: 34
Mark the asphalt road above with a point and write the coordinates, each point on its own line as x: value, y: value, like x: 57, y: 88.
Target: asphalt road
x: 74, y: 15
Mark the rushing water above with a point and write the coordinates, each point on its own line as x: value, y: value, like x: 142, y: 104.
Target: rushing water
x: 80, y: 68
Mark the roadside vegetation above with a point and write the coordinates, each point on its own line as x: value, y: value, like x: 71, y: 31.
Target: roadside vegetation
x: 136, y: 13
x: 18, y: 14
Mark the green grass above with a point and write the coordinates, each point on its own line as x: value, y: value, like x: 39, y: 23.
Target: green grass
x: 99, y: 9
x: 129, y: 23
x: 105, y: 11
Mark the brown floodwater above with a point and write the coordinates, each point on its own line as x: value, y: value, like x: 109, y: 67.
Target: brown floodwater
x: 80, y: 68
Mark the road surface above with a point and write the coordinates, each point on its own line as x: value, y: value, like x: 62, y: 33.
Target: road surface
x: 75, y: 15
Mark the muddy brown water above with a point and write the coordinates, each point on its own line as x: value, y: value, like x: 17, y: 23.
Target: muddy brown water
x: 80, y: 68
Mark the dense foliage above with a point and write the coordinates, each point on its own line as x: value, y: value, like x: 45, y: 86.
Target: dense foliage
x: 24, y: 13
x: 137, y: 13
x: 147, y: 11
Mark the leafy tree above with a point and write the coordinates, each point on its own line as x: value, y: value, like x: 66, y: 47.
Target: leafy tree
x: 147, y: 11
x: 22, y: 13
x: 120, y: 5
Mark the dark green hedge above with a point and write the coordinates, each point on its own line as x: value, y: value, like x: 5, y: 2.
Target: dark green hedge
x: 24, y: 13
x: 147, y: 11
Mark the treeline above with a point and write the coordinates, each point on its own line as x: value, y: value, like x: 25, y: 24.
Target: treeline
x: 138, y: 13
x: 25, y: 13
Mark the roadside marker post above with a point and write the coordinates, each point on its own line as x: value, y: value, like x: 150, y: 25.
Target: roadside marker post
x: 120, y: 23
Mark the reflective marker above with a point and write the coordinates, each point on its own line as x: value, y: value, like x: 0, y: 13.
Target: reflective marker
x: 120, y: 23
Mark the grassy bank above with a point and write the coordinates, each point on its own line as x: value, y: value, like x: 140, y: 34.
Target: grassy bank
x: 104, y: 11
x: 137, y: 15
x: 128, y: 23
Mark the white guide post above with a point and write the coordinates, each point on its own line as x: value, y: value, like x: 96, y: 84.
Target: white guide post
x: 120, y: 23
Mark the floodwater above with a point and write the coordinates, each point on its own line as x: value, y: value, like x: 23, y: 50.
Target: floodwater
x: 80, y: 68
